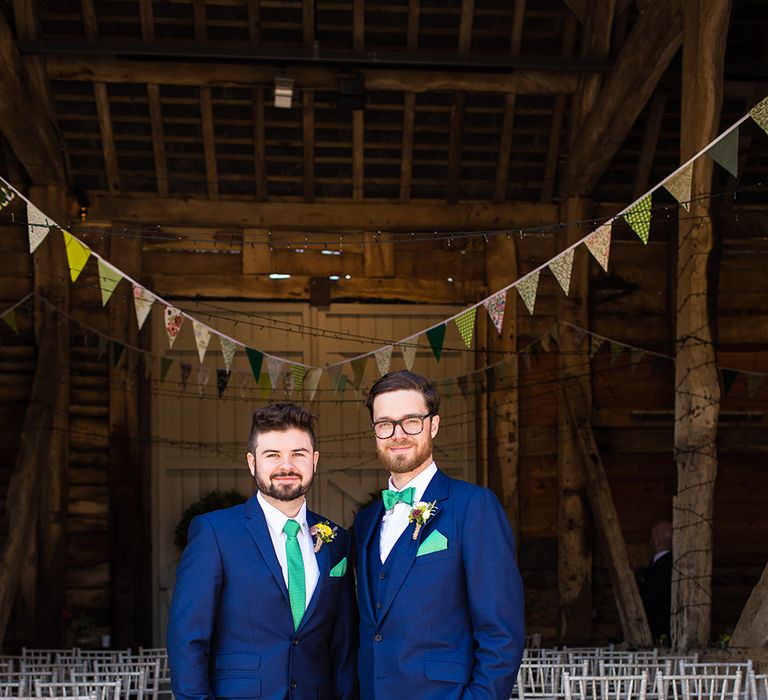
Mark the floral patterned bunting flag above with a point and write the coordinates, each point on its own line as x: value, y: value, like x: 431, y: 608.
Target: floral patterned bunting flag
x: 77, y: 254
x: 384, y: 359
x: 599, y: 244
x: 142, y: 301
x: 228, y: 349
x: 639, y: 218
x: 358, y: 370
x: 6, y: 196
x: 409, y: 353
x: 38, y: 226
x: 466, y: 325
x: 311, y: 381
x: 203, y: 377
x: 202, y: 338
x: 725, y: 152
x: 495, y: 308
x: 679, y: 186
x: 595, y: 344
x: 174, y: 319
x: 561, y: 268
x: 760, y: 114
x: 274, y: 365
x: 109, y: 278
x: 527, y: 288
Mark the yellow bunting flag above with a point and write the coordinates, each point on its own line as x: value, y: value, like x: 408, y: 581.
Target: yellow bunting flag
x: 109, y: 278
x: 9, y: 317
x: 383, y: 359
x: 639, y: 218
x: 311, y: 381
x: 466, y: 325
x: 527, y: 288
x: 409, y: 353
x: 599, y: 244
x: 298, y: 372
x: 561, y: 268
x: 77, y: 254
x: 265, y: 384
x: 202, y: 338
x: 679, y: 186
x: 228, y: 349
x: 38, y: 226
x: 760, y: 114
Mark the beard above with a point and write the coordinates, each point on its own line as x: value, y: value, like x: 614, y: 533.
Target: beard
x: 403, y: 463
x: 283, y: 492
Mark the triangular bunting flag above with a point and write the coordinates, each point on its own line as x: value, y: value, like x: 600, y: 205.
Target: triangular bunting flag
x: 635, y: 357
x: 639, y: 218
x: 242, y: 379
x: 616, y: 349
x: 274, y: 365
x: 526, y: 355
x: 142, y: 300
x: 203, y: 377
x: 594, y: 345
x: 287, y: 380
x: 599, y: 244
x: 578, y: 336
x: 334, y: 374
x: 409, y: 353
x: 109, y: 278
x: 265, y: 384
x: 103, y: 342
x: 10, y: 320
x: 202, y: 338
x: 527, y: 288
x: 186, y: 370
x: 466, y: 325
x: 463, y: 382
x: 6, y: 196
x: 554, y: 333
x: 544, y: 340
x: 173, y: 322
x: 298, y: 372
x: 495, y: 308
x: 760, y: 114
x: 150, y: 362
x: 383, y: 359
x: 311, y: 381
x: 77, y: 254
x: 342, y: 385
x: 228, y: 349
x: 255, y: 359
x: 448, y: 388
x: 38, y: 225
x: 726, y: 152
x: 679, y: 186
x: 222, y: 379
x: 754, y: 381
x: 729, y: 377
x: 436, y: 337
x: 117, y: 352
x: 561, y: 268
x: 358, y: 370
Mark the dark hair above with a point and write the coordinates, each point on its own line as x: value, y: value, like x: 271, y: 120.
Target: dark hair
x: 403, y: 379
x: 281, y: 417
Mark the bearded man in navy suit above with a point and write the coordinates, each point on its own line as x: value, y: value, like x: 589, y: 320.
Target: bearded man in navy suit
x: 263, y: 605
x: 439, y: 591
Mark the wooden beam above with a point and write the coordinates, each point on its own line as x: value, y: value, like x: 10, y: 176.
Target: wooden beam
x: 112, y: 70
x: 107, y: 137
x: 308, y: 20
x: 308, y: 121
x: 147, y: 20
x: 257, y: 259
x: 406, y: 159
x: 412, y: 36
x: 24, y: 116
x: 466, y: 22
x: 90, y: 23
x: 254, y: 22
x: 650, y: 142
x: 356, y: 216
x: 697, y: 385
x: 454, y: 145
x: 358, y: 155
x: 358, y: 24
x: 578, y: 8
x: 379, y: 257
x: 634, y: 624
x: 158, y: 139
x: 209, y: 143
x: 200, y: 20
x: 259, y: 147
x: 752, y: 628
x: 645, y: 56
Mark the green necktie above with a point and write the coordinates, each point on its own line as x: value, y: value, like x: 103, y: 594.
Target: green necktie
x: 297, y: 587
x: 391, y: 497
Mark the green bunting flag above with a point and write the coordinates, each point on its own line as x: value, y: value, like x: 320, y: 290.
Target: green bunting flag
x: 358, y: 370
x: 436, y: 337
x: 222, y: 379
x: 729, y: 377
x: 165, y: 365
x: 466, y: 325
x: 725, y: 152
x: 265, y: 384
x: 754, y: 381
x: 77, y: 254
x: 639, y: 218
x: 616, y: 349
x: 9, y: 317
x: 109, y: 278
x: 255, y: 359
x: 117, y: 352
x: 342, y: 385
x: 760, y: 114
x: 298, y: 373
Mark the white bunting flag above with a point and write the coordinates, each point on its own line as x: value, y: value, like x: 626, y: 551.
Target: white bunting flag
x: 228, y: 349
x: 142, y: 301
x: 38, y: 224
x: 202, y: 338
x: 311, y: 381
x: 274, y: 365
x: 384, y: 359
x: 561, y: 268
x: 409, y: 353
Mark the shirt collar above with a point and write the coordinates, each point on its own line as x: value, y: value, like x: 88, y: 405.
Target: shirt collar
x: 419, y: 482
x: 659, y: 555
x: 276, y: 519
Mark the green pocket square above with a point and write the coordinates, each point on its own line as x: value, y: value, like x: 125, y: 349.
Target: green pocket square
x: 340, y: 569
x: 436, y: 542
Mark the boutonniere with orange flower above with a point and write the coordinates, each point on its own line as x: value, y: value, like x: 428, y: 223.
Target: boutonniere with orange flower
x: 323, y: 533
x: 420, y: 513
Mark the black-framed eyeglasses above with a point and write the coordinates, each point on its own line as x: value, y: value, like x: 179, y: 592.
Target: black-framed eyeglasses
x: 411, y: 425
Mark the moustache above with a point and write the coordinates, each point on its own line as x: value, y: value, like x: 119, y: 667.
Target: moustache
x: 283, y: 474
x: 401, y: 443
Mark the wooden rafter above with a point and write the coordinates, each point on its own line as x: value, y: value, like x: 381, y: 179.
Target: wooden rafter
x: 111, y: 70
x: 259, y: 152
x: 158, y: 139
x: 90, y: 22
x: 200, y: 21
x: 454, y: 145
x: 308, y: 20
x: 147, y: 20
x: 414, y: 13
x: 406, y: 161
x: 358, y: 162
x: 650, y: 142
x: 107, y: 137
x: 308, y: 121
x: 254, y: 22
x: 652, y: 44
x: 209, y: 143
x: 358, y: 24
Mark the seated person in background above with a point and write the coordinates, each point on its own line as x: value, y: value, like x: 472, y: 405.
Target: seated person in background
x: 655, y: 582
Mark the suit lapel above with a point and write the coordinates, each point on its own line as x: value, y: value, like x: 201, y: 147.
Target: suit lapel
x: 368, y: 528
x: 257, y: 526
x: 406, y: 548
x: 323, y: 558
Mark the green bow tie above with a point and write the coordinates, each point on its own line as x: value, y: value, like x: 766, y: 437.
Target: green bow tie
x: 391, y: 497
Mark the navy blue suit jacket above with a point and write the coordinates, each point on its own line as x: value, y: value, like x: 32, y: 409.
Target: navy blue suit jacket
x: 451, y: 624
x: 230, y: 631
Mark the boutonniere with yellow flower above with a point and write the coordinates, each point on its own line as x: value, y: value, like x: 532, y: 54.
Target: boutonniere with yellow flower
x: 323, y: 533
x: 420, y: 513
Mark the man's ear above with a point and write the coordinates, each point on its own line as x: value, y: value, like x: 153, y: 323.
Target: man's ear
x: 434, y: 425
x: 251, y: 463
x: 315, y: 457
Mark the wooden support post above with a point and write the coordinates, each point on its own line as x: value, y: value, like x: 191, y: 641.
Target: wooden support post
x: 503, y: 401
x: 574, y: 552
x: 634, y: 623
x: 697, y: 396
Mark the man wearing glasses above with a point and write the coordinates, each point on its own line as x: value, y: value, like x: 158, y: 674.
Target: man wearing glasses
x: 439, y: 592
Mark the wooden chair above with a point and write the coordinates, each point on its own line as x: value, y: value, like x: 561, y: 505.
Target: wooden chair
x: 598, y: 687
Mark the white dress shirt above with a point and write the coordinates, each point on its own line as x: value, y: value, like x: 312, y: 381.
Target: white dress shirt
x: 395, y: 521
x: 275, y: 523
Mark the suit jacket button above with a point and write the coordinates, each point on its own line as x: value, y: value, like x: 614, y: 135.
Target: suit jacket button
x: 382, y: 576
x: 296, y: 642
x: 379, y: 606
x: 377, y: 637
x: 293, y: 684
